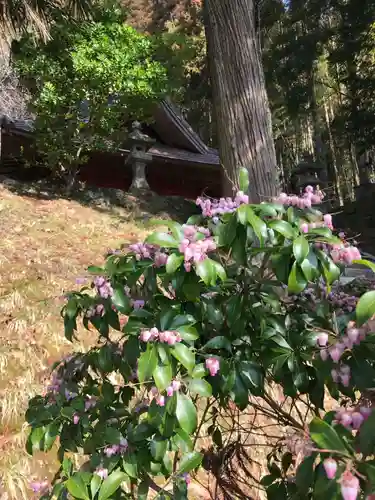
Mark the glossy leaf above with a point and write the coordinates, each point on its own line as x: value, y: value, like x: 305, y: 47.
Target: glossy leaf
x: 174, y: 262
x: 184, y: 355
x: 300, y: 249
x: 186, y: 413
x: 120, y: 300
x: 164, y: 240
x: 219, y: 342
x: 243, y: 179
x: 162, y: 376
x: 365, y: 307
x: 325, y: 436
x: 296, y: 281
x: 111, y: 484
x: 206, y: 271
x: 77, y: 487
x: 201, y: 387
x: 190, y: 461
x: 147, y: 363
x: 283, y: 227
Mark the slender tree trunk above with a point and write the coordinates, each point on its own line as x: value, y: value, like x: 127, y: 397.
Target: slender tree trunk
x: 242, y: 110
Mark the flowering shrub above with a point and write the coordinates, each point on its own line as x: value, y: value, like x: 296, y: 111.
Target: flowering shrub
x: 201, y: 318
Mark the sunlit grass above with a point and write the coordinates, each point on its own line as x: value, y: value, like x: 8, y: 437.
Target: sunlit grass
x: 44, y: 246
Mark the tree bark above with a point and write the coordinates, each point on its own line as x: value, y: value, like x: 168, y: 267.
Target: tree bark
x: 243, y: 117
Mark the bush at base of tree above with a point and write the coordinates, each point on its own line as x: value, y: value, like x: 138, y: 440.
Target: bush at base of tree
x: 208, y: 315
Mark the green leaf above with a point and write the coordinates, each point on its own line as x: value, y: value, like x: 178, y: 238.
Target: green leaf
x: 240, y: 392
x: 52, y: 431
x: 120, y: 300
x: 244, y: 179
x: 325, y: 436
x: 184, y: 355
x: 36, y: 437
x: 158, y: 448
x: 219, y: 342
x: 366, y: 438
x: 130, y: 465
x: 199, y: 371
x: 227, y: 232
x: 300, y: 248
x: 296, y: 281
x: 71, y: 308
x: 95, y: 270
x: 164, y: 240
x: 305, y: 475
x: 190, y: 461
x: 188, y: 333
x: 174, y: 262
x: 183, y: 441
x: 95, y: 484
x: 77, y: 487
x: 186, y: 413
x: 366, y: 307
x: 259, y: 226
x: 206, y: 271
x: 283, y: 227
x: 366, y: 263
x: 219, y: 270
x: 111, y: 484
x: 201, y: 387
x: 147, y: 363
x: 252, y: 375
x: 162, y: 376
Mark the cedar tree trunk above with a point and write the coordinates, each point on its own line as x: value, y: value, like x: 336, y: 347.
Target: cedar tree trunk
x: 243, y: 117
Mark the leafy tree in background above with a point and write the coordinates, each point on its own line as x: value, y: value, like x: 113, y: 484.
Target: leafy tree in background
x: 88, y: 82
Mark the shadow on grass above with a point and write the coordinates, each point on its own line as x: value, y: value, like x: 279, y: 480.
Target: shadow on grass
x: 138, y: 208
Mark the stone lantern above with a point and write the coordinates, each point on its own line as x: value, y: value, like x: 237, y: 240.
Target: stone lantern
x: 139, y: 157
x: 307, y: 173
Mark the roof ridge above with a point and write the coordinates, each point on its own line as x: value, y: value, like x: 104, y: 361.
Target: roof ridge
x: 184, y: 127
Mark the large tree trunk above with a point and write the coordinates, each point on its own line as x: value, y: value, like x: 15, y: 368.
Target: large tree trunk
x: 243, y: 117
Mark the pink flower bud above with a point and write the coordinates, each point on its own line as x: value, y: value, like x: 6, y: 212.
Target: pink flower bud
x: 349, y: 486
x: 322, y: 339
x: 335, y: 352
x: 324, y: 355
x: 357, y: 420
x: 353, y: 334
x: 176, y: 384
x: 75, y: 419
x: 160, y: 401
x: 304, y: 228
x: 328, y: 220
x: 330, y: 466
x: 145, y: 336
x: 170, y: 391
x: 345, y: 379
x: 346, y: 420
x: 213, y: 366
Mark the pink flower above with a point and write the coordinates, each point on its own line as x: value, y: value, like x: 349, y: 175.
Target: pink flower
x: 176, y: 384
x: 322, y: 339
x: 101, y: 472
x: 138, y: 304
x: 328, y: 220
x: 187, y: 478
x: 346, y: 420
x: 357, y: 420
x: 349, y: 486
x: 345, y: 379
x: 335, y: 352
x: 75, y: 419
x: 304, y: 228
x: 39, y: 486
x: 324, y: 354
x: 353, y: 334
x: 213, y: 366
x: 330, y: 467
x: 160, y: 259
x: 160, y: 401
x: 145, y: 336
x: 170, y: 391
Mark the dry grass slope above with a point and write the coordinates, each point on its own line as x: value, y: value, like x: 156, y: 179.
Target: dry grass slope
x: 44, y: 246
